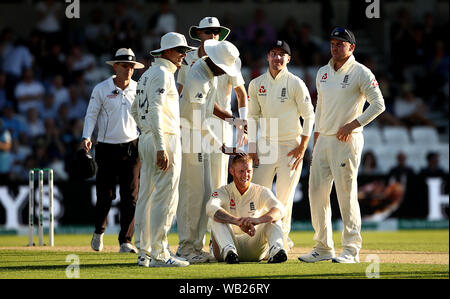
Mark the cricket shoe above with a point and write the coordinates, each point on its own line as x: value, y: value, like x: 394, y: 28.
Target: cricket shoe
x: 196, y: 258
x: 346, y: 257
x: 277, y: 255
x: 97, y: 242
x: 231, y: 258
x: 143, y: 260
x: 316, y: 256
x: 169, y: 262
x: 175, y: 256
x: 207, y: 255
x: 127, y: 248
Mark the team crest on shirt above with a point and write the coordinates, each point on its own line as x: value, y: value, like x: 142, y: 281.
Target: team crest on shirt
x: 262, y: 91
x: 252, y: 206
x: 345, y: 83
x: 324, y: 78
x: 215, y: 194
x: 232, y: 204
x: 283, y: 96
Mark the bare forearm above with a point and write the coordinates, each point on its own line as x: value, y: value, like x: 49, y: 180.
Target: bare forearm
x: 223, y: 216
x: 221, y: 113
x: 241, y: 96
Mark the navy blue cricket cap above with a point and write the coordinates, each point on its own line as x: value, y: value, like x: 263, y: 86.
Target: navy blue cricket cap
x: 282, y: 45
x: 343, y: 34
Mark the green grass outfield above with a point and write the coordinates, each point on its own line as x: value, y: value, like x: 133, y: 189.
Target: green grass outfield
x: 398, y: 252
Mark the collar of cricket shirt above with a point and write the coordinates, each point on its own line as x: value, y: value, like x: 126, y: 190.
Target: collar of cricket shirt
x: 236, y: 191
x: 131, y: 85
x: 346, y: 65
x: 280, y: 75
x: 167, y: 63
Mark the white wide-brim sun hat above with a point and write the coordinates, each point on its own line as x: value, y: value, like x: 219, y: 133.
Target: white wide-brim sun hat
x: 225, y: 55
x: 125, y: 55
x: 209, y: 22
x: 172, y: 40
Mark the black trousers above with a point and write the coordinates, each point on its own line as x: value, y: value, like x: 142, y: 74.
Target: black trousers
x: 117, y: 163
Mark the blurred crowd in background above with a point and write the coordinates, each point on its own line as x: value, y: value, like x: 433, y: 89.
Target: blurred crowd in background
x: 46, y: 77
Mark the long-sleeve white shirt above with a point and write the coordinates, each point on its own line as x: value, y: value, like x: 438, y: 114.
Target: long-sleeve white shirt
x: 109, y: 108
x: 224, y: 82
x: 342, y: 95
x: 284, y: 98
x: 156, y: 108
x: 255, y: 202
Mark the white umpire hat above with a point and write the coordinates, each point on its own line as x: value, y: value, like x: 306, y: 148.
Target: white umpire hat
x: 209, y: 23
x: 125, y: 55
x: 225, y: 55
x: 172, y: 40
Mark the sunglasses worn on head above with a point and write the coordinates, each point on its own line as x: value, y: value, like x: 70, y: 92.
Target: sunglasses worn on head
x: 211, y: 31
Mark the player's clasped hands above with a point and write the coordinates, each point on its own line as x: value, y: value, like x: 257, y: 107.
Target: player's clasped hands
x: 247, y: 225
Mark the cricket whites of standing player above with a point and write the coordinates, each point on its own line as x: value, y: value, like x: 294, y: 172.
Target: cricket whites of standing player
x: 156, y: 111
x: 246, y: 219
x: 209, y: 28
x: 197, y: 105
x: 281, y: 96
x: 343, y: 87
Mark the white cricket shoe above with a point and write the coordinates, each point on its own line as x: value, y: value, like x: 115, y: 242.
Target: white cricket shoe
x: 143, y: 260
x: 127, y: 248
x: 207, y: 255
x: 346, y: 257
x: 316, y: 256
x: 170, y: 262
x: 277, y: 255
x: 97, y: 242
x: 197, y: 258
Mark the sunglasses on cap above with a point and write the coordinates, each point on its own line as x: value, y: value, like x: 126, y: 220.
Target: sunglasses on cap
x: 211, y: 31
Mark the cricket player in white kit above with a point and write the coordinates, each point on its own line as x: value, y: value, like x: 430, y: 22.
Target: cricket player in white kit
x: 209, y: 28
x: 197, y: 104
x: 156, y: 111
x: 343, y: 87
x: 280, y: 98
x: 246, y: 218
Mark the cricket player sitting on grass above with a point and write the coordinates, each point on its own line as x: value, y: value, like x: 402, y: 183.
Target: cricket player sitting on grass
x: 246, y: 222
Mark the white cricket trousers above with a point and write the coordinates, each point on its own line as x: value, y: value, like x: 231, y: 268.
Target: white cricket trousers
x: 220, y: 161
x: 337, y: 161
x: 287, y: 179
x: 158, y: 196
x: 194, y: 193
x: 248, y: 248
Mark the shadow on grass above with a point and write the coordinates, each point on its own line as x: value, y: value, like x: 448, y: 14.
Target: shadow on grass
x: 63, y: 267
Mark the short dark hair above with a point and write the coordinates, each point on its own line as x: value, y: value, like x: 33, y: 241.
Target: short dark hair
x: 241, y: 159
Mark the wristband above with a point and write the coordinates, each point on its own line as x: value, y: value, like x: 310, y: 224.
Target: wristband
x: 243, y: 112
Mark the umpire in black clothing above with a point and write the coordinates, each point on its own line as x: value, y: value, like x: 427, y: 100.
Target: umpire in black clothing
x: 116, y: 149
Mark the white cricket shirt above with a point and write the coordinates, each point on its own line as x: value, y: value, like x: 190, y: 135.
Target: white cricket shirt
x: 156, y: 108
x: 109, y: 109
x: 342, y: 95
x: 255, y: 202
x: 198, y: 94
x: 224, y: 82
x: 284, y: 98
